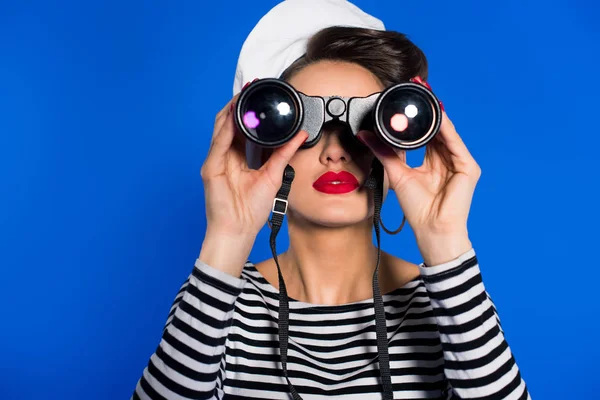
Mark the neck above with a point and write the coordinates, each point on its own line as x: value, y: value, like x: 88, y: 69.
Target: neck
x: 329, y: 266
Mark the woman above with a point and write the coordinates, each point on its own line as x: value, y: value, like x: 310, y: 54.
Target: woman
x: 443, y: 336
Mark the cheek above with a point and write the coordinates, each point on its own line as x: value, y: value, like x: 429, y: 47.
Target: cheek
x: 305, y: 160
x: 364, y: 162
x: 305, y: 174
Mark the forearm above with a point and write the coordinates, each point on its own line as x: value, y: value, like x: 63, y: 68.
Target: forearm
x: 187, y: 361
x: 477, y: 359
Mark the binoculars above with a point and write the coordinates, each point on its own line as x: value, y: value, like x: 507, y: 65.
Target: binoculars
x: 270, y: 112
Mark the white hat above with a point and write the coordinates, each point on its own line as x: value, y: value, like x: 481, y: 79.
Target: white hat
x: 280, y: 38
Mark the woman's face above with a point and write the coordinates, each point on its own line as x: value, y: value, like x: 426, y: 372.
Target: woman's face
x: 336, y: 151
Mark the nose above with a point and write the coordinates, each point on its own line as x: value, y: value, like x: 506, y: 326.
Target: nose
x: 335, y: 147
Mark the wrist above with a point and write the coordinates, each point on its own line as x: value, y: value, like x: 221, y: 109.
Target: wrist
x: 439, y: 249
x: 225, y: 252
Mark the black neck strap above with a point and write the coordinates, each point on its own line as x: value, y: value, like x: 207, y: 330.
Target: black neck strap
x: 375, y: 182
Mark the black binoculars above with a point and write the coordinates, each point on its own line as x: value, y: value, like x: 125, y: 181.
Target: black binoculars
x: 269, y: 112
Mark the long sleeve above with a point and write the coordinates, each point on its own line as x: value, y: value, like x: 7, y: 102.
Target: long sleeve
x: 186, y: 364
x: 478, y: 362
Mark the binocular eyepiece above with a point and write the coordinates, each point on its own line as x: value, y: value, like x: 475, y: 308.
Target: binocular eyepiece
x: 269, y: 112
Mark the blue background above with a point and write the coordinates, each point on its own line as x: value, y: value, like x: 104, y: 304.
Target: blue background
x: 106, y: 110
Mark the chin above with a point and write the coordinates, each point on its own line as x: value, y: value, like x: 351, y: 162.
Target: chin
x: 334, y: 225
x: 336, y: 217
x: 331, y: 223
x: 332, y: 211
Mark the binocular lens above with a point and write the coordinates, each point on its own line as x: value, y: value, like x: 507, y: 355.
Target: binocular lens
x: 407, y: 115
x: 269, y: 113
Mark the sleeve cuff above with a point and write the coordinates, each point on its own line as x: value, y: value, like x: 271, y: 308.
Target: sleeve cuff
x: 213, y: 274
x: 447, y: 266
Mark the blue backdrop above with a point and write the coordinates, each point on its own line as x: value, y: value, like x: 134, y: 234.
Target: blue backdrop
x: 106, y: 110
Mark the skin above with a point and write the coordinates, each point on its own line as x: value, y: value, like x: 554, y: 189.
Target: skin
x: 331, y: 257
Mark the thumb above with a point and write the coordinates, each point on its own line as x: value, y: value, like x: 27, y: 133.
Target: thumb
x: 281, y: 157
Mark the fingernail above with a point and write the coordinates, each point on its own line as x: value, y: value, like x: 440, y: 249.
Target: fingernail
x: 304, y: 141
x: 255, y: 79
x: 232, y: 106
x: 418, y: 79
x: 442, y: 106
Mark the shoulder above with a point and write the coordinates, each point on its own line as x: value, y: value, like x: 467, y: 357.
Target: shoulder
x: 396, y: 272
x: 265, y: 271
x: 253, y: 274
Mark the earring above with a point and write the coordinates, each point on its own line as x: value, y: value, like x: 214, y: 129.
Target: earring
x: 397, y: 231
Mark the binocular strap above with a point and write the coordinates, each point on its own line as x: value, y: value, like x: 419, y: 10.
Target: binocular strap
x: 375, y: 183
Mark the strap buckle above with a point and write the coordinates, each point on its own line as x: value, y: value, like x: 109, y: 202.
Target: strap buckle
x: 285, y: 205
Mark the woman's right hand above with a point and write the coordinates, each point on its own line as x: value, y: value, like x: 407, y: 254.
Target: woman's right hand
x: 239, y: 199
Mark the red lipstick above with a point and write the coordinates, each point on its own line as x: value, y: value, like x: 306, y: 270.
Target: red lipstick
x: 336, y: 183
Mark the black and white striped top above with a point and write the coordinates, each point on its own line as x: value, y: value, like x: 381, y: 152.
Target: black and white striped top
x: 445, y: 342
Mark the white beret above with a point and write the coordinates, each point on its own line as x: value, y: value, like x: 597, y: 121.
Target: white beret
x: 280, y: 38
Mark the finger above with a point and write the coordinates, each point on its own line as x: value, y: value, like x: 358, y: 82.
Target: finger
x: 447, y: 147
x: 228, y: 109
x: 281, y: 157
x: 437, y: 156
x: 223, y: 114
x: 393, y: 160
x: 221, y: 144
x: 462, y: 159
x: 221, y: 118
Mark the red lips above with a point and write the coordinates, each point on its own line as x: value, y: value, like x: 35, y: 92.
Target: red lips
x: 336, y: 183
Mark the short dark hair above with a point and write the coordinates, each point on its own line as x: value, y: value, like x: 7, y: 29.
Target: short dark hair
x: 389, y: 55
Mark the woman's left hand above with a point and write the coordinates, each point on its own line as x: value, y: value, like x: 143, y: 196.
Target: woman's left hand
x: 436, y: 196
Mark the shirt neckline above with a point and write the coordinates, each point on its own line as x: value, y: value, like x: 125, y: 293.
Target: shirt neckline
x: 297, y: 304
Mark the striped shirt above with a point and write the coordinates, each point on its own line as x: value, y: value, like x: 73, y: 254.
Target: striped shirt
x: 221, y: 342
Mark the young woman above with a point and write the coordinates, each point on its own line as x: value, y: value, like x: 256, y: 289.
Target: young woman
x: 444, y: 339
